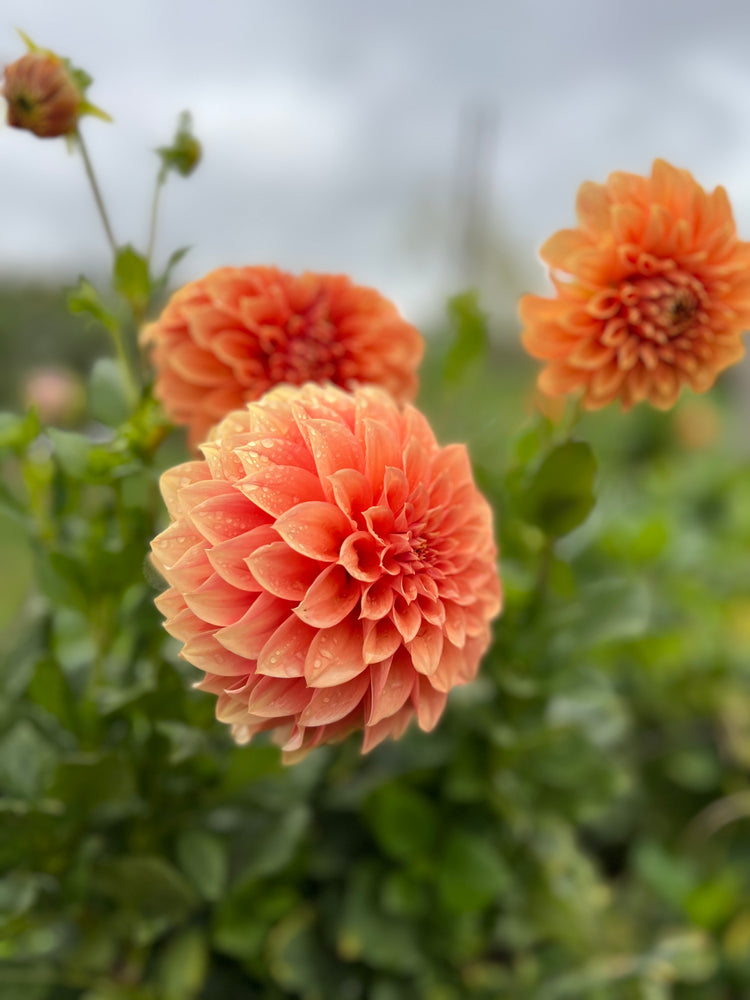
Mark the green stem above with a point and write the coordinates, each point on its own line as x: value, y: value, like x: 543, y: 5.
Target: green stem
x: 132, y: 386
x: 572, y: 418
x: 97, y: 194
x: 160, y: 180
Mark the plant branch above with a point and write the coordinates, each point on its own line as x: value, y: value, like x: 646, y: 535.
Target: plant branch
x: 97, y: 193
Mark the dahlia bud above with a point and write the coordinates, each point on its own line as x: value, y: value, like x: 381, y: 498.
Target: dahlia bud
x: 42, y: 95
x: 184, y: 155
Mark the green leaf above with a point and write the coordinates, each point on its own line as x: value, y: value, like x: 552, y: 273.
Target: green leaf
x: 49, y: 689
x: 151, y: 887
x: 689, y: 955
x: 131, y: 278
x: 560, y: 494
x: 607, y: 610
x: 185, y: 741
x: 18, y: 893
x: 365, y: 934
x: 183, y: 964
x: 296, y: 960
x: 102, y: 783
x: 472, y: 873
x: 107, y: 398
x: 203, y: 858
x: 403, y: 821
x: 84, y: 300
x: 275, y: 843
x: 72, y: 451
x: 470, y: 340
x: 669, y: 876
x: 17, y: 431
x: 174, y: 260
x: 27, y: 760
x: 244, y: 916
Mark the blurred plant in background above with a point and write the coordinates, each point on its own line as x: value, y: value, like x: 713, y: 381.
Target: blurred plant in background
x: 575, y: 827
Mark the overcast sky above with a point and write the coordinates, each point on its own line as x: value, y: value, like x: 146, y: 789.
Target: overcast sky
x: 331, y: 128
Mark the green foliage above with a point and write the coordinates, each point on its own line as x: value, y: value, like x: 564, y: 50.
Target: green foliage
x: 130, y: 278
x: 560, y: 494
x: 470, y: 338
x: 574, y: 829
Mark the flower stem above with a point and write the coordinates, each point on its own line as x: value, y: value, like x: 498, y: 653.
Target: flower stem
x: 130, y: 376
x: 97, y: 193
x: 160, y: 179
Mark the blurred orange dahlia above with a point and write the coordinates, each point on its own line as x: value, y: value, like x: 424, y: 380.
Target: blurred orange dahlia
x: 654, y: 293
x: 228, y: 338
x: 331, y: 568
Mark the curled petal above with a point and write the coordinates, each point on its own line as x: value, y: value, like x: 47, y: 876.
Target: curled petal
x: 285, y: 651
x: 428, y: 702
x: 248, y: 635
x: 330, y: 598
x: 335, y: 655
x: 391, y: 684
x: 314, y: 529
x: 282, y: 571
x: 278, y: 489
x: 382, y: 639
x: 329, y: 704
x: 273, y: 698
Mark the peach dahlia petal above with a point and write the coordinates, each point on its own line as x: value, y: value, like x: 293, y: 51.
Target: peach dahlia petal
x: 230, y: 337
x: 652, y: 292
x: 356, y: 603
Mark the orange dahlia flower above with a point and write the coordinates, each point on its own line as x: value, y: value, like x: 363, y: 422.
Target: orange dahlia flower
x: 228, y: 338
x: 331, y: 568
x: 655, y: 292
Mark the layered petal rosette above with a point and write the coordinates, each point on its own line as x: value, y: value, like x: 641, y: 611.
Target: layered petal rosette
x: 331, y: 568
x: 227, y: 339
x: 653, y: 292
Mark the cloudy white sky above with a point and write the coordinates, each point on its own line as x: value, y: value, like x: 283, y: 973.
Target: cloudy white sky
x: 332, y: 128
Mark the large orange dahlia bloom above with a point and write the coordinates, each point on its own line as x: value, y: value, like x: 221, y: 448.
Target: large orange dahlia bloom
x: 331, y: 568
x: 228, y: 338
x: 655, y: 293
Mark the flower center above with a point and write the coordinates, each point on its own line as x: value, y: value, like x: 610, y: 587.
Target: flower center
x: 659, y: 308
x: 305, y: 348
x: 648, y: 317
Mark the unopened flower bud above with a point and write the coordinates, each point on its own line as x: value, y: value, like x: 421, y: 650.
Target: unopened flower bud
x: 184, y: 155
x: 42, y: 95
